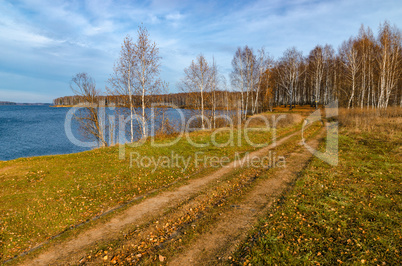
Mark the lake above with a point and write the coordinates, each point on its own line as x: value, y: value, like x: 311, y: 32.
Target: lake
x: 27, y: 131
x: 32, y: 131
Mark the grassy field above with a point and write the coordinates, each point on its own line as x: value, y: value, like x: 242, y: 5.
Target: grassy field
x: 176, y: 229
x: 43, y: 196
x: 350, y: 213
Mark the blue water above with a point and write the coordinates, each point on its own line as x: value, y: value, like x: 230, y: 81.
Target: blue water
x: 34, y: 130
x: 27, y: 131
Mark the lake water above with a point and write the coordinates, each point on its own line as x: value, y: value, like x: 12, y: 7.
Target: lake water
x: 34, y: 130
x: 27, y: 131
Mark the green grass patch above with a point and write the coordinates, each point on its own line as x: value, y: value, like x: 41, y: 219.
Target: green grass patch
x: 350, y: 213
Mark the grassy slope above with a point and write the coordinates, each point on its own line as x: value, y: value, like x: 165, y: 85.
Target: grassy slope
x: 350, y: 213
x: 42, y: 196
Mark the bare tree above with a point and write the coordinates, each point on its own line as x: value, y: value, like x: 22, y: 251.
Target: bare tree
x: 146, y: 70
x: 365, y: 45
x: 316, y: 70
x: 89, y: 116
x: 264, y: 63
x: 251, y: 68
x: 389, y: 61
x: 197, y: 78
x: 349, y: 56
x: 238, y: 76
x: 122, y: 79
x: 328, y: 54
x: 289, y: 70
x: 214, y: 89
x: 136, y: 73
x: 245, y: 77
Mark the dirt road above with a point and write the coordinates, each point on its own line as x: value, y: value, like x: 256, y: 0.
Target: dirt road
x: 217, y: 244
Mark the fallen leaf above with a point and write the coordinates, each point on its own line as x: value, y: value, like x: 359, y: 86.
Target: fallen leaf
x: 161, y: 258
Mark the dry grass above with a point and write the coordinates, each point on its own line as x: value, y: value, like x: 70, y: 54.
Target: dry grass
x: 387, y: 121
x: 304, y: 110
x: 267, y: 119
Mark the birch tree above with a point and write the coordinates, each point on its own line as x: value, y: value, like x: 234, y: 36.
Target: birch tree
x: 389, y: 61
x: 251, y: 68
x: 264, y: 63
x: 136, y: 73
x: 197, y: 78
x: 238, y: 77
x: 316, y: 70
x: 289, y: 70
x: 122, y: 80
x: 328, y: 56
x: 146, y: 69
x: 351, y: 62
x: 245, y: 76
x: 214, y: 88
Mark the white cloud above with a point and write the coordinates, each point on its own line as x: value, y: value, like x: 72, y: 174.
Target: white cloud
x: 20, y: 36
x: 174, y: 16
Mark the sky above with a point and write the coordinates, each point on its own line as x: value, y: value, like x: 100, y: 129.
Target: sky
x: 43, y: 44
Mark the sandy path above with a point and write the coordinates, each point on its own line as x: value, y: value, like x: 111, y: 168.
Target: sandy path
x: 232, y: 227
x: 137, y: 214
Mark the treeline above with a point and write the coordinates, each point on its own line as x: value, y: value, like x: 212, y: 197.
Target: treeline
x: 224, y: 100
x: 365, y: 71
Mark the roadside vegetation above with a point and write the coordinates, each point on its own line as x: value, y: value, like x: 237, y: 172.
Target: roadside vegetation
x: 41, y: 197
x: 350, y: 213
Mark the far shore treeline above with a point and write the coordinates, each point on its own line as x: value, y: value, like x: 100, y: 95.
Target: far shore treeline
x: 224, y: 99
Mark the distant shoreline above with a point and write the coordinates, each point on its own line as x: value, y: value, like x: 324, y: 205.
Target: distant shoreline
x: 7, y: 103
x: 162, y: 106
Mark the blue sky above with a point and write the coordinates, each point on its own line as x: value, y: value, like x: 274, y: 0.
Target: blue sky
x: 44, y: 43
